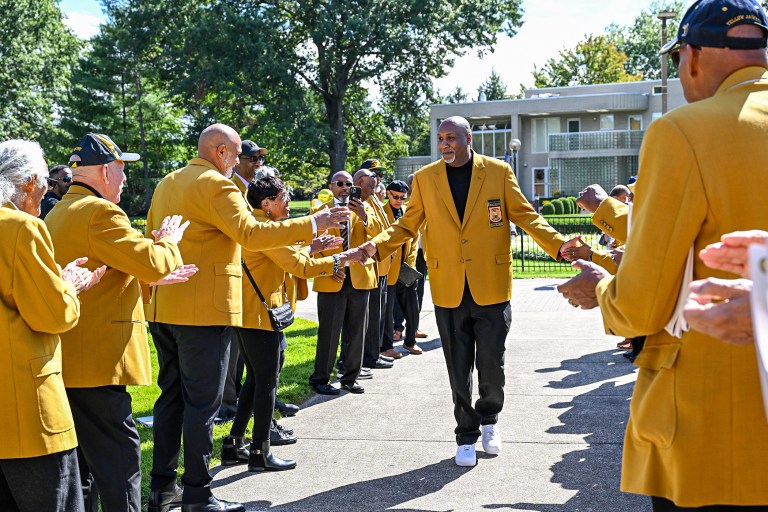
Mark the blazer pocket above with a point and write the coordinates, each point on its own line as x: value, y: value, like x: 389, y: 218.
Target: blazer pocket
x: 431, y: 262
x: 52, y: 403
x: 504, y: 258
x: 653, y: 409
x: 226, y: 287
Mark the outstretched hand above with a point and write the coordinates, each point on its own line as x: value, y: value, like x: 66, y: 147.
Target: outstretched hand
x: 731, y: 253
x: 82, y: 278
x: 324, y: 242
x: 170, y: 227
x: 180, y: 275
x: 721, y: 308
x: 580, y: 290
x: 331, y: 217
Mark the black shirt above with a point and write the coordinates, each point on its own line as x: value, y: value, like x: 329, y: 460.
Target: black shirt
x: 459, y: 179
x: 49, y: 201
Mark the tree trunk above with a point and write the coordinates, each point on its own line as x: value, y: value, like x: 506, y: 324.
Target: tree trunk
x: 337, y: 141
x: 143, y: 138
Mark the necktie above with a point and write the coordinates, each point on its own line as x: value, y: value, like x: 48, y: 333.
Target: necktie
x: 345, y: 237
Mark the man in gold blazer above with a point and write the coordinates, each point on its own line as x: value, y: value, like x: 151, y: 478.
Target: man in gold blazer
x: 188, y: 321
x: 38, y: 465
x: 697, y: 435
x: 108, y: 349
x: 468, y: 201
x: 342, y: 305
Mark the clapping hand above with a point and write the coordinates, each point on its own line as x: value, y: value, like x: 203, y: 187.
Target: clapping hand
x: 331, y: 217
x: 591, y: 197
x: 721, y: 308
x: 82, y: 278
x: 180, y: 275
x: 170, y: 227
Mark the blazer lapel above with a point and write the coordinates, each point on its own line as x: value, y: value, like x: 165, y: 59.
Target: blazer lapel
x: 440, y: 179
x: 478, y: 177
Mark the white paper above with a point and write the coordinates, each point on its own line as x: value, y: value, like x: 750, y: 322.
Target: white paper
x: 758, y: 266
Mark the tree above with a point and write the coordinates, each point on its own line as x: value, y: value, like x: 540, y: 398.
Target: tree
x: 595, y: 60
x: 493, y: 87
x: 36, y: 50
x: 457, y: 96
x: 641, y: 40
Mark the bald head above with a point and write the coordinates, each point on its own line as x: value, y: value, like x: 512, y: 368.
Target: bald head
x: 220, y: 145
x: 457, y: 123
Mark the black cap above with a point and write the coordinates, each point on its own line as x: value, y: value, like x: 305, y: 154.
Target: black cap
x: 706, y: 23
x: 250, y: 148
x: 98, y: 149
x: 374, y: 165
x: 398, y: 186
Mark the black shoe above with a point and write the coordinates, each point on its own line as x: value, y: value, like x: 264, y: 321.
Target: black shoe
x: 213, y: 505
x: 381, y: 363
x: 365, y: 373
x: 354, y: 388
x: 326, y: 389
x: 281, y: 428
x: 162, y: 501
x: 233, y: 451
x: 287, y: 409
x: 280, y: 438
x: 263, y: 460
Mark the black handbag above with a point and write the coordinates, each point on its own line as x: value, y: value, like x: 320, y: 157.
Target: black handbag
x: 408, y: 275
x: 280, y: 317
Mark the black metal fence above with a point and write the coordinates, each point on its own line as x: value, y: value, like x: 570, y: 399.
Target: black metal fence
x: 530, y: 258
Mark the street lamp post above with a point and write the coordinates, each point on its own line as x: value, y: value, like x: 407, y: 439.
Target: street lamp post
x: 664, y: 16
x: 514, y: 145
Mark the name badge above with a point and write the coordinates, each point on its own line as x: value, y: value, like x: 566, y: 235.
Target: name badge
x: 495, y: 217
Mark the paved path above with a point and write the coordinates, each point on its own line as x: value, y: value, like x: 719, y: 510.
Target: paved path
x: 392, y: 448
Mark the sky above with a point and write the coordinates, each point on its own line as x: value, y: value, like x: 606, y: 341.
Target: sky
x: 549, y: 26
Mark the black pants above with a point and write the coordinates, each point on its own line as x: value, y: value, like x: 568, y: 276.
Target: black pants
x: 377, y: 303
x: 35, y: 484
x: 229, y: 396
x: 261, y: 352
x: 193, y: 362
x: 421, y: 266
x: 110, y: 445
x: 664, y: 505
x: 473, y: 334
x: 346, y: 309
x: 407, y: 299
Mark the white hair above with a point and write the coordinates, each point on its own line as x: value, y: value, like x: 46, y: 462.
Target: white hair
x: 266, y: 171
x: 20, y: 162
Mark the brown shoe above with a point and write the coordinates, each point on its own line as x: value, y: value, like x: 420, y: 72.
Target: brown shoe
x: 415, y: 350
x: 397, y: 335
x: 392, y: 353
x: 420, y: 334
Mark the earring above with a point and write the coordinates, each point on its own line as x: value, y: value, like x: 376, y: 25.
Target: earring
x: 268, y: 214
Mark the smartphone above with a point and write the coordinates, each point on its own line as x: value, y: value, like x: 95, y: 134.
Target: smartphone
x: 354, y: 192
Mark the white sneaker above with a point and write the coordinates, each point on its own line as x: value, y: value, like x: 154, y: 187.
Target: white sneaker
x: 491, y: 439
x: 465, y: 455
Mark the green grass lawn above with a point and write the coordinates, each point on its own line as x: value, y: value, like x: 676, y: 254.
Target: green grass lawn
x: 294, y: 388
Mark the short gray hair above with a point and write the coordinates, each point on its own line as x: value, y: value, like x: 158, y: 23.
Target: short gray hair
x: 20, y: 160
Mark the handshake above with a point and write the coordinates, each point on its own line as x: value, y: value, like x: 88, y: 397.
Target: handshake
x: 360, y: 254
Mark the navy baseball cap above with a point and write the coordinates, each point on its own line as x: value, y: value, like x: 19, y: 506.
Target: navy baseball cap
x: 250, y: 148
x: 98, y: 149
x: 374, y: 165
x: 398, y: 186
x: 706, y: 23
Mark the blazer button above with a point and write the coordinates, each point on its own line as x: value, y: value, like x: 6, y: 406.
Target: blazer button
x: 464, y: 241
x: 462, y: 260
x: 322, y: 273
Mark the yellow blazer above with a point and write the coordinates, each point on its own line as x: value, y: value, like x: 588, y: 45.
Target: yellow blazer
x: 409, y: 249
x: 611, y: 217
x: 220, y: 224
x: 697, y: 432
x: 363, y: 276
x: 109, y: 346
x: 36, y: 306
x: 477, y: 249
x: 383, y: 266
x: 271, y: 269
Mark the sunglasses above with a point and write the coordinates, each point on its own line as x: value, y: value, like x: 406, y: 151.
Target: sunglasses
x: 396, y: 197
x: 52, y: 181
x: 674, y: 55
x: 257, y: 158
x: 343, y: 183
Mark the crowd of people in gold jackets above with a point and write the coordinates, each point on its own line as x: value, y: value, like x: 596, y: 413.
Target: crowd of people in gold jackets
x: 77, y: 289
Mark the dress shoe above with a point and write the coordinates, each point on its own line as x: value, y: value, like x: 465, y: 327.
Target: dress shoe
x: 278, y: 437
x: 213, y: 505
x: 420, y: 334
x: 365, y: 373
x: 397, y: 335
x: 491, y: 439
x: 380, y: 363
x: 162, y: 501
x: 386, y: 358
x: 354, y: 388
x: 286, y: 409
x: 281, y: 428
x: 326, y: 389
x: 263, y: 460
x: 415, y: 350
x: 233, y: 451
x: 466, y: 455
x: 394, y: 354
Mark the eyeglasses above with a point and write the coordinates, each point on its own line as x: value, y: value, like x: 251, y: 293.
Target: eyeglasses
x: 66, y: 179
x: 257, y: 158
x: 343, y: 183
x: 282, y: 196
x: 674, y: 55
x: 396, y: 197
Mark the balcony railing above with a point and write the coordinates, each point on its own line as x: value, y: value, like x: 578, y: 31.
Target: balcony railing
x: 591, y: 141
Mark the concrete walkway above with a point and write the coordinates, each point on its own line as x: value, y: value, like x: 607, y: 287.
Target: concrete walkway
x: 392, y: 448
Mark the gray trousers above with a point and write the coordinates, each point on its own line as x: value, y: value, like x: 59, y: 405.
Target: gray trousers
x: 35, y: 484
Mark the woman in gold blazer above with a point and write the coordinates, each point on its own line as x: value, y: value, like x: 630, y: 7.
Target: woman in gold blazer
x: 259, y: 342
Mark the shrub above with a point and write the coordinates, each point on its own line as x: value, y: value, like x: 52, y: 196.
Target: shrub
x: 576, y: 208
x: 558, y: 206
x: 548, y: 209
x: 567, y: 208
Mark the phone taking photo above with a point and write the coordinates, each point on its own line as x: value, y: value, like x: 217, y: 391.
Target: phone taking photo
x: 354, y: 192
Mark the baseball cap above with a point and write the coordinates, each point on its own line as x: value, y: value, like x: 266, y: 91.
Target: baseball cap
x: 98, y: 149
x: 706, y: 23
x: 250, y: 148
x: 398, y: 186
x: 374, y: 165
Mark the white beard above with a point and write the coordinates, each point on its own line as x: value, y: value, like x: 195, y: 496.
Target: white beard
x: 449, y: 160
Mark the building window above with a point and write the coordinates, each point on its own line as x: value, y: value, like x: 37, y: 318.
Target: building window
x: 540, y: 130
x: 606, y: 122
x: 491, y: 139
x: 635, y: 123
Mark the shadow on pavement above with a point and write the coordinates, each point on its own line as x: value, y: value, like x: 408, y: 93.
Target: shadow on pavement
x: 600, y: 415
